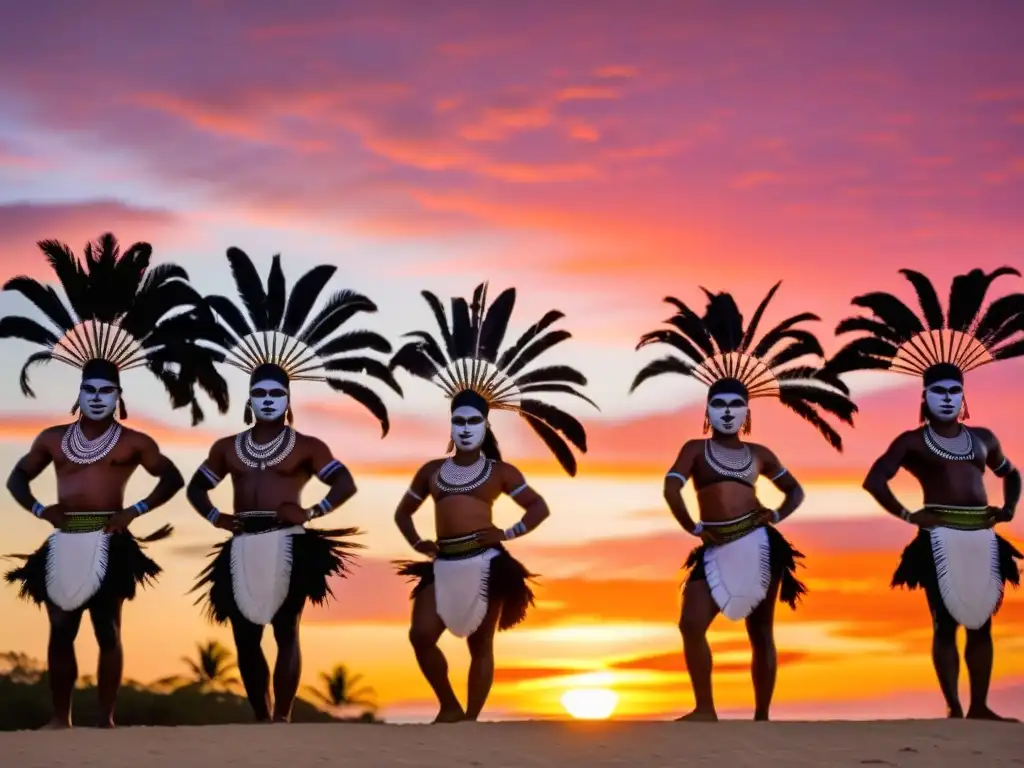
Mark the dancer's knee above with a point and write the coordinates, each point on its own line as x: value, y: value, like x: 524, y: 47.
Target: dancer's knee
x: 481, y: 644
x: 422, y: 638
x: 108, y: 634
x: 944, y: 628
x: 981, y: 635
x: 762, y: 636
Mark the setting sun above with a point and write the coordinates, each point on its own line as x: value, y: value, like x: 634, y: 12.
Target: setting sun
x: 590, y: 703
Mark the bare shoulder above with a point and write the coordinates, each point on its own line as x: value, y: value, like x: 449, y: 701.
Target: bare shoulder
x: 135, y: 438
x: 223, y: 445
x: 50, y: 438
x: 763, y: 452
x: 508, y: 471
x: 309, y: 443
x: 430, y: 467
x: 985, y: 434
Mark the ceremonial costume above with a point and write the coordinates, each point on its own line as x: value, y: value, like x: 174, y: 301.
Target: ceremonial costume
x: 119, y: 315
x: 718, y: 351
x: 478, y: 377
x: 269, y: 564
x: 961, y: 563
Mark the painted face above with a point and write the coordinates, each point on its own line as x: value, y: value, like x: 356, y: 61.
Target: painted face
x: 469, y: 427
x: 727, y: 413
x: 945, y: 399
x: 268, y: 399
x: 97, y: 398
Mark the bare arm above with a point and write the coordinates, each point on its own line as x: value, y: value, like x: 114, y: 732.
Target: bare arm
x: 205, y: 479
x: 169, y: 479
x: 882, y: 471
x: 411, y: 501
x: 536, y: 509
x: 1003, y: 468
x: 781, y: 478
x: 675, y: 479
x: 333, y: 473
x: 28, y: 468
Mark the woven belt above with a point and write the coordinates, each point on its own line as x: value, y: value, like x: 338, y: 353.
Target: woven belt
x: 731, y: 530
x: 960, y: 518
x: 459, y: 548
x: 85, y: 522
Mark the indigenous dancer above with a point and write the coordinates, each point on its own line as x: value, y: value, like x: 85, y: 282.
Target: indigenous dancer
x: 471, y: 585
x: 956, y: 557
x: 744, y: 563
x: 113, y: 322
x: 273, y: 563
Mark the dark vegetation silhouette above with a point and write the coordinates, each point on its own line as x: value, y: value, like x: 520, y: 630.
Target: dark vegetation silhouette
x: 206, y: 695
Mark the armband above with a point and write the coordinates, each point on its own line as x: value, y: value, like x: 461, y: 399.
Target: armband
x: 213, y: 514
x: 905, y: 514
x: 320, y: 509
x: 411, y: 492
x: 677, y: 476
x: 140, y: 507
x: 37, y: 509
x: 516, y: 491
x: 1004, y: 468
x: 516, y: 530
x: 778, y: 474
x: 776, y: 517
x: 698, y: 529
x: 329, y: 469
x: 210, y: 475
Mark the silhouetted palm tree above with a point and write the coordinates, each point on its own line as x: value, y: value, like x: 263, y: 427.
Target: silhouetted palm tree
x: 340, y: 689
x: 211, y: 669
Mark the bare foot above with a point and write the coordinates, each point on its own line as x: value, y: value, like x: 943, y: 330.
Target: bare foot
x: 699, y: 716
x: 107, y: 723
x: 984, y: 713
x: 56, y: 725
x: 761, y: 717
x: 450, y: 715
x: 954, y: 713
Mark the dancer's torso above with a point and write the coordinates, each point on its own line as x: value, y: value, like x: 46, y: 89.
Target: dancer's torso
x: 258, y: 489
x: 461, y: 511
x: 95, y: 487
x: 946, y: 481
x: 722, y: 497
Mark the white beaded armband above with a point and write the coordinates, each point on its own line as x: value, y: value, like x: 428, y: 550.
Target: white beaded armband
x: 677, y: 476
x: 210, y: 475
x: 516, y: 530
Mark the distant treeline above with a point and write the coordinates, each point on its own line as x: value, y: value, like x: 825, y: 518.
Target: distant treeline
x: 25, y: 702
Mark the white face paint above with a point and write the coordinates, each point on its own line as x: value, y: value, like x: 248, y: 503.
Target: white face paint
x: 727, y: 412
x: 97, y: 398
x: 268, y: 399
x: 944, y: 399
x: 469, y: 427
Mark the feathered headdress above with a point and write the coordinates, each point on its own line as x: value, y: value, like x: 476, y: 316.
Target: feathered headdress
x: 718, y: 351
x: 277, y: 336
x: 936, y: 345
x: 470, y: 359
x: 120, y: 314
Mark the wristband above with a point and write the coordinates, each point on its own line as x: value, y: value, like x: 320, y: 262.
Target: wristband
x: 516, y: 530
x: 905, y: 514
x: 320, y: 509
x: 213, y: 515
x: 140, y: 507
x: 698, y: 529
x: 776, y: 517
x: 37, y: 509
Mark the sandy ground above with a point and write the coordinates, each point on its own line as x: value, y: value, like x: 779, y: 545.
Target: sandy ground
x: 561, y: 745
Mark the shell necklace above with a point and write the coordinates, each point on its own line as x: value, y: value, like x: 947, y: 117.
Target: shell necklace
x: 81, y: 450
x: 731, y: 462
x: 452, y: 477
x: 262, y: 455
x: 959, y: 448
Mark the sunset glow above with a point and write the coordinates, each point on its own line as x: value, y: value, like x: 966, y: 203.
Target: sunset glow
x: 598, y: 160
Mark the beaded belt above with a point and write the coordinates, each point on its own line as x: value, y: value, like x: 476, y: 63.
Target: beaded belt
x: 960, y: 518
x: 460, y: 548
x: 85, y: 522
x: 731, y: 530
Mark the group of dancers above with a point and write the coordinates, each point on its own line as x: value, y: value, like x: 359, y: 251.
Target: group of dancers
x: 120, y: 312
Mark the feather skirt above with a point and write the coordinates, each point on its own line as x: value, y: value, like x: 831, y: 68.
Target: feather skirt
x: 918, y: 567
x: 508, y: 583
x: 317, y: 555
x: 128, y: 566
x: 783, y: 563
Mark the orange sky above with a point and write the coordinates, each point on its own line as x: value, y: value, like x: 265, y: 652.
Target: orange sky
x: 598, y: 162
